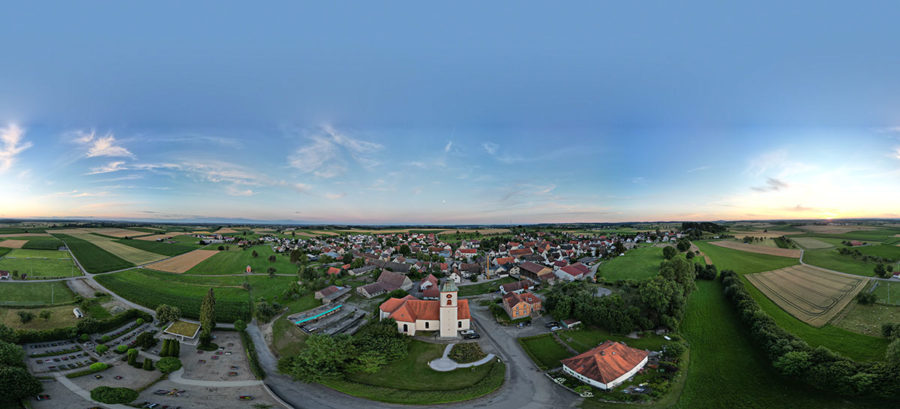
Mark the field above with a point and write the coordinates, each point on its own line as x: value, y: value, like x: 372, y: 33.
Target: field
x: 225, y: 230
x: 40, y: 263
x: 94, y: 259
x: 743, y: 262
x: 583, y: 339
x: 637, y: 264
x: 43, y: 243
x: 35, y: 293
x: 772, y: 251
x: 184, y: 262
x: 13, y: 244
x: 60, y: 316
x: 235, y: 261
x: 888, y: 292
x: 544, y: 350
x: 165, y: 249
x: 760, y: 233
x: 6, y: 235
x: 187, y: 292
x: 154, y: 237
x: 411, y: 381
x: 485, y: 232
x: 126, y: 252
x: 867, y: 319
x: 110, y: 231
x: 811, y: 294
x: 827, y: 229
x: 811, y: 243
x: 832, y: 260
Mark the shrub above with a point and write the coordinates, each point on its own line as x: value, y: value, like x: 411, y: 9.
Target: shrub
x: 94, y: 368
x: 84, y: 337
x: 122, y: 349
x: 139, y: 321
x: 104, y: 339
x: 168, y: 364
x: 99, y: 366
x: 132, y: 356
x: 148, y: 364
x: 240, y: 325
x: 101, y: 349
x: 110, y: 395
x: 466, y: 352
x: 25, y: 316
x: 866, y: 298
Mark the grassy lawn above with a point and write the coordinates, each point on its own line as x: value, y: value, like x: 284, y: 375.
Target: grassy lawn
x: 743, y: 262
x: 183, y: 328
x: 287, y: 339
x: 636, y: 264
x: 484, y: 288
x: 830, y: 259
x: 93, y: 258
x: 187, y: 292
x: 235, y: 261
x: 544, y: 350
x: 60, y: 316
x: 411, y: 381
x: 888, y: 292
x: 727, y: 371
x: 37, y: 293
x: 867, y: 319
x: 40, y: 263
x: 584, y: 339
x: 166, y: 249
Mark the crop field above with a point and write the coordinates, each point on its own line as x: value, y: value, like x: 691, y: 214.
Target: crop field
x: 759, y: 233
x: 828, y: 229
x: 637, y: 264
x: 887, y: 292
x: 743, y: 262
x: 154, y: 237
x: 120, y: 233
x: 43, y: 243
x: 125, y: 252
x: 485, y: 232
x: 13, y: 244
x: 832, y: 260
x: 94, y: 259
x: 811, y: 243
x: 7, y: 235
x: 161, y: 248
x: 772, y: 251
x: 811, y: 294
x: 225, y: 230
x: 40, y: 263
x: 35, y: 293
x: 235, y: 261
x: 184, y: 262
x: 325, y: 233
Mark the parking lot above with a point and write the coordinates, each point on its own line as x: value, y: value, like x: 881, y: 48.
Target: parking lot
x: 229, y: 363
x: 205, y: 397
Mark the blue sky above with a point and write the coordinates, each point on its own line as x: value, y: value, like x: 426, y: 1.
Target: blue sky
x: 512, y: 112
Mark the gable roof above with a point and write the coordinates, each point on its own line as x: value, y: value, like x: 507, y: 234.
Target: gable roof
x: 430, y: 279
x: 334, y: 270
x: 532, y: 267
x: 410, y: 309
x: 513, y: 299
x: 391, y: 280
x: 607, y: 362
x: 516, y: 286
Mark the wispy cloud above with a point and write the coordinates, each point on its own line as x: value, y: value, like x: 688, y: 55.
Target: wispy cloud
x: 639, y: 180
x: 105, y: 145
x: 302, y: 187
x: 772, y: 185
x: 78, y: 194
x: 799, y: 208
x: 326, y: 156
x: 108, y: 168
x: 896, y: 153
x: 235, y: 191
x: 448, y: 146
x: 11, y: 145
x: 698, y: 169
x: 490, y: 147
x: 334, y: 196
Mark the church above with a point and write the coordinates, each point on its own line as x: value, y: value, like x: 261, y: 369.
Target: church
x: 447, y: 314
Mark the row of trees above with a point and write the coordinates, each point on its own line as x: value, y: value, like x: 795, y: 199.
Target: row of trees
x: 818, y: 367
x: 328, y: 357
x: 654, y: 303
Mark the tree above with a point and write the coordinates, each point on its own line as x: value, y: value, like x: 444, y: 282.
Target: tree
x: 683, y: 244
x: 110, y: 395
x: 11, y: 354
x: 167, y: 313
x: 880, y: 270
x: 674, y: 350
x: 132, y: 356
x: 7, y: 334
x: 101, y: 349
x: 793, y: 363
x: 271, y: 271
x: 669, y: 252
x: 405, y: 251
x: 25, y: 316
x: 273, y: 258
x: 145, y: 340
x: 168, y: 364
x: 16, y: 383
x: 148, y: 364
x: 254, y: 254
x: 45, y: 314
x: 893, y: 352
x: 240, y: 325
x: 208, y: 312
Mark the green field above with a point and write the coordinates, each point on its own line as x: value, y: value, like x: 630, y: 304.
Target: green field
x: 37, y: 293
x: 484, y: 288
x: 39, y: 263
x: 43, y: 243
x: 637, y: 264
x: 544, y: 350
x: 830, y: 259
x: 888, y: 292
x: 411, y: 381
x: 93, y: 258
x: 727, y: 371
x: 584, y: 339
x: 187, y: 292
x: 879, y: 235
x: 743, y: 262
x: 166, y: 249
x: 235, y: 261
x: 867, y: 319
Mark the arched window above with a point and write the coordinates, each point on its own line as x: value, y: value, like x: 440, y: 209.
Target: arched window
x: 449, y: 302
x: 458, y: 324
x: 405, y: 328
x: 426, y: 324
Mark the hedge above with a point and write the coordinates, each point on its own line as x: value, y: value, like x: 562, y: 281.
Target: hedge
x: 94, y: 368
x: 106, y: 394
x: 819, y: 367
x: 252, y: 357
x: 86, y: 325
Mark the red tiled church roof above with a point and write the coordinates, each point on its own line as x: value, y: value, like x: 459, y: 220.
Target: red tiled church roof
x: 607, y: 362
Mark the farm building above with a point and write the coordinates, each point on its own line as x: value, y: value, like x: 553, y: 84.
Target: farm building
x: 521, y: 305
x: 330, y: 293
x: 516, y: 287
x: 607, y: 365
x: 448, y: 314
x: 535, y: 272
x: 388, y: 281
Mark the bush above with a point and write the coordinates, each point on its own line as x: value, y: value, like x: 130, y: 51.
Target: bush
x: 148, y: 364
x: 866, y: 298
x: 139, y: 321
x: 132, y: 356
x: 101, y: 349
x: 99, y: 366
x: 94, y: 368
x: 252, y: 357
x: 104, y: 339
x: 466, y: 352
x: 168, y: 364
x: 110, y: 395
x: 240, y: 325
x: 84, y: 337
x: 25, y: 316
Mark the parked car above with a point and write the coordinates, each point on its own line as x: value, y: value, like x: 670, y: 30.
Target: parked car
x: 552, y: 324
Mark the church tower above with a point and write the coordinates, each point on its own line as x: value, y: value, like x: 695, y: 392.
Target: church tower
x: 449, y: 310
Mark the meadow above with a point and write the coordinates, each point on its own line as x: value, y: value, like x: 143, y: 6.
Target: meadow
x: 35, y: 293
x: 888, y: 292
x: 93, y: 258
x: 544, y: 351
x: 743, y: 262
x: 236, y: 260
x: 769, y: 250
x: 60, y: 316
x: 166, y: 249
x: 867, y: 319
x: 583, y: 339
x: 125, y: 252
x: 637, y: 264
x: 832, y: 260
x: 40, y: 263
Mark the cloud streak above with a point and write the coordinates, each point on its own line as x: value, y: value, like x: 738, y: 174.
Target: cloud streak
x: 772, y: 185
x: 326, y: 157
x: 102, y: 146
x: 11, y: 145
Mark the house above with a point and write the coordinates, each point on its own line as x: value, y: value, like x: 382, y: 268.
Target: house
x: 428, y: 282
x: 607, y: 365
x: 330, y: 293
x: 388, y: 281
x: 466, y: 253
x: 362, y: 270
x: 333, y: 271
x: 573, y: 272
x: 570, y: 323
x: 455, y: 277
x: 521, y: 305
x: 516, y: 287
x: 535, y: 272
x: 370, y: 290
x: 448, y: 315
x: 517, y: 253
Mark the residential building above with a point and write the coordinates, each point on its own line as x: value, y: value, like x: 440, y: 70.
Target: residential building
x: 521, y: 305
x: 607, y: 365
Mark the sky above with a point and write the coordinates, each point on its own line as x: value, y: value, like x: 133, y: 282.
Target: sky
x: 460, y: 113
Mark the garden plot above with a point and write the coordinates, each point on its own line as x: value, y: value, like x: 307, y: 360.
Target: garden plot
x: 125, y: 252
x: 811, y: 294
x: 184, y: 262
x: 772, y: 251
x: 811, y: 243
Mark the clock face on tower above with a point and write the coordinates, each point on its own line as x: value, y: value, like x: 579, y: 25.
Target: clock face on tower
x: 449, y: 295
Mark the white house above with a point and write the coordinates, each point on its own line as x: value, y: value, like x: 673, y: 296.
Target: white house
x: 607, y: 365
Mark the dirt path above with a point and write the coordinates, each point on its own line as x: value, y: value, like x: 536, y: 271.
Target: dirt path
x: 696, y: 249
